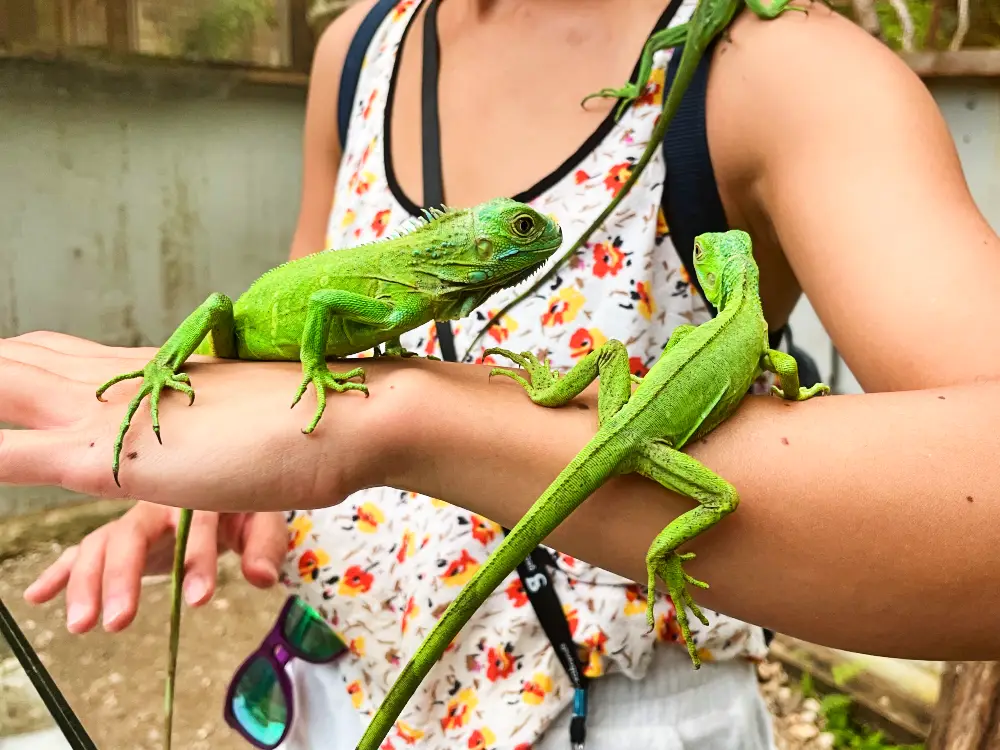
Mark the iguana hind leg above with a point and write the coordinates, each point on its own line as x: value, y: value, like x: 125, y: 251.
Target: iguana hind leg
x: 214, y: 316
x: 786, y: 368
x: 716, y: 498
x: 661, y: 40
x: 548, y: 387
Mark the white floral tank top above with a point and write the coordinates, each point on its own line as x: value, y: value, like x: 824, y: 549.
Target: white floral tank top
x: 383, y: 565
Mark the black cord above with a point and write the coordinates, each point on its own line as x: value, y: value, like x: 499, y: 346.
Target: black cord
x: 50, y: 694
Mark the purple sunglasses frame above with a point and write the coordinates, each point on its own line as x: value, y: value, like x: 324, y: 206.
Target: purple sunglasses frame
x: 278, y: 650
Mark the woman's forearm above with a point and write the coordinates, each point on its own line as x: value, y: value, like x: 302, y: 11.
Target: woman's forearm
x: 866, y: 522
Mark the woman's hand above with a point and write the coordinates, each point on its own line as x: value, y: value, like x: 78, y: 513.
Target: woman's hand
x: 103, y: 573
x: 239, y: 447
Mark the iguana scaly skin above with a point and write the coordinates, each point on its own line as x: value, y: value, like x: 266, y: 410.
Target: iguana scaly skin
x: 338, y: 303
x: 709, y: 19
x: 698, y: 381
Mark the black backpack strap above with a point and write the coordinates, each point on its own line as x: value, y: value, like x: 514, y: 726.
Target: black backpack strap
x: 691, y: 201
x: 352, y: 63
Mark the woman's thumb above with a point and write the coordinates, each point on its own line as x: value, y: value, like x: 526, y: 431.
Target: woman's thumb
x: 265, y: 545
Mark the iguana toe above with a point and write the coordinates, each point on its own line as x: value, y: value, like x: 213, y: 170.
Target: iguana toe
x: 670, y: 570
x: 321, y: 377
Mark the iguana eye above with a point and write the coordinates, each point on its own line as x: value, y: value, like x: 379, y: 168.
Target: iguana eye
x: 698, y: 252
x: 523, y: 225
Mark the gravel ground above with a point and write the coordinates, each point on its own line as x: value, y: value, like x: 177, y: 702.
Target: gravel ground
x: 115, y: 682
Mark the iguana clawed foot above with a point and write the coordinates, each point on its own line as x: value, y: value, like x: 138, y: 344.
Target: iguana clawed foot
x: 321, y: 377
x: 820, y: 389
x: 626, y: 93
x: 542, y: 376
x: 155, y: 377
x: 669, y: 569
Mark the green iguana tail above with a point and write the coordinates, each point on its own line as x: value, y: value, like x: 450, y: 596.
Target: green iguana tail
x: 581, y: 478
x: 177, y: 582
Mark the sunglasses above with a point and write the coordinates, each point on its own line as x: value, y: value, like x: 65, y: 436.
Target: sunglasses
x: 259, y: 702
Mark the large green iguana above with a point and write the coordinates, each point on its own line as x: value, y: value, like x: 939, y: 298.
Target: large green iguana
x: 342, y: 302
x: 709, y: 19
x: 698, y: 381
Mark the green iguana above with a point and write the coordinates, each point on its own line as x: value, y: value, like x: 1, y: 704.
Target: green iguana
x: 698, y: 381
x: 341, y: 302
x: 709, y: 19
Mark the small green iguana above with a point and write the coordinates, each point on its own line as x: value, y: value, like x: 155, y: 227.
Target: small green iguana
x: 709, y: 19
x: 698, y: 381
x: 341, y: 302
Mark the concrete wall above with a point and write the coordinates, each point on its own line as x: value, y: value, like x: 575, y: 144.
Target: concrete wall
x: 128, y: 197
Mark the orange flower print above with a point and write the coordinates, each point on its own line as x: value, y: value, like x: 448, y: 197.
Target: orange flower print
x: 368, y: 105
x: 609, y: 258
x: 652, y: 95
x: 408, y: 734
x: 405, y: 547
x: 400, y: 10
x: 515, y: 592
x: 533, y: 691
x: 637, y: 367
x: 501, y: 663
x: 355, y: 581
x: 381, y: 221
x: 667, y: 629
x: 684, y: 284
x: 584, y: 341
x: 645, y: 303
x: 635, y: 600
x: 567, y: 560
x: 310, y: 562
x: 481, y: 739
x: 563, y: 307
x: 349, y: 217
x: 357, y: 646
x: 460, y: 709
x: 596, y: 646
x: 357, y: 693
x: 617, y: 176
x: 298, y: 529
x: 364, y: 183
x: 410, y: 611
x: 523, y: 746
x: 460, y: 571
x: 580, y: 176
x: 662, y: 230
x: 487, y: 360
x: 368, y: 517
x: 432, y: 339
x: 572, y: 618
x: 484, y: 531
x: 502, y: 329
x: 387, y: 745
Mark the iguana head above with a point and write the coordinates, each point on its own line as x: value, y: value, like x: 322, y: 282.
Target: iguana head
x: 478, y: 251
x: 721, y: 260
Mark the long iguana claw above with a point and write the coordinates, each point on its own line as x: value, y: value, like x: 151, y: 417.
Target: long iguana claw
x: 670, y: 570
x: 542, y: 376
x: 155, y: 377
x: 321, y: 377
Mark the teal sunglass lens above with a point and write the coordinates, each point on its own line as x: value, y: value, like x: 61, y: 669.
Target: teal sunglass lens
x: 258, y: 703
x: 308, y: 632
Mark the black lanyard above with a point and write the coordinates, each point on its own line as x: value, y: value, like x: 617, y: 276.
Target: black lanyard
x: 533, y: 571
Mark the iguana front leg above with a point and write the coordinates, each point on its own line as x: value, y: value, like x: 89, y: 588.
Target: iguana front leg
x: 548, y: 387
x: 323, y: 305
x: 213, y: 317
x: 786, y: 368
x: 665, y: 39
x: 716, y: 498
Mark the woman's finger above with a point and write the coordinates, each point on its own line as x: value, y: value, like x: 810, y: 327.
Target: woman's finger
x: 53, y: 579
x: 90, y: 369
x: 201, y: 559
x: 126, y: 557
x: 83, y: 591
x: 265, y: 545
x: 67, y: 344
x: 33, y: 397
x: 27, y: 459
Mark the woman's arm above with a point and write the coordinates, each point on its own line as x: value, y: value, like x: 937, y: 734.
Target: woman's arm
x: 855, y: 527
x: 321, y: 147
